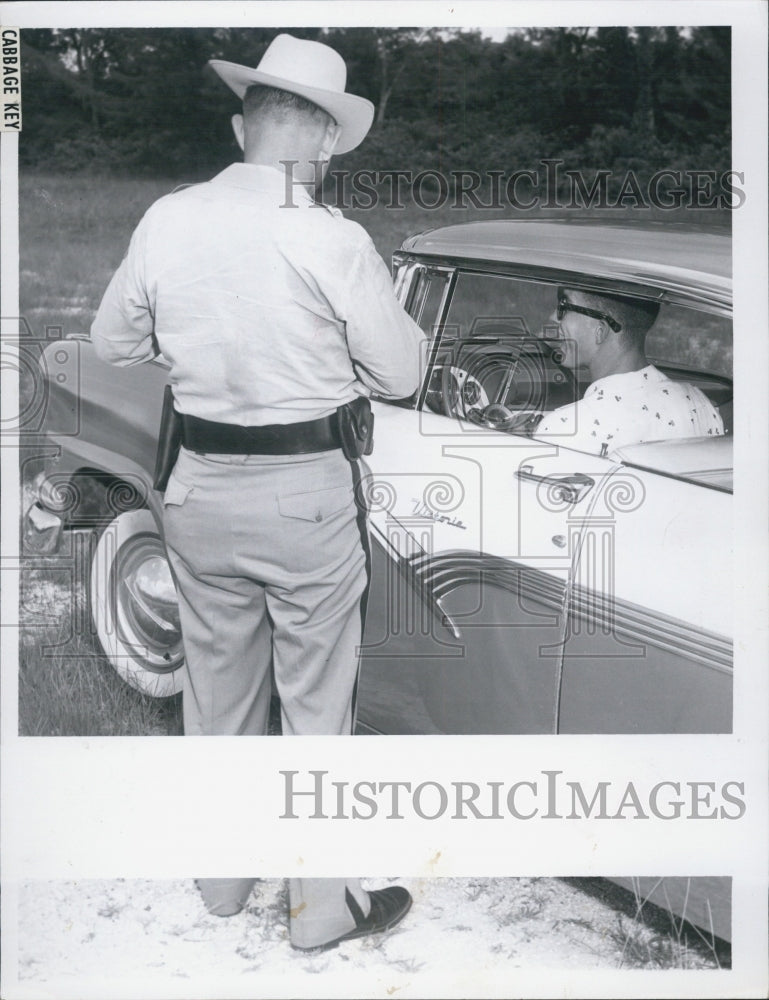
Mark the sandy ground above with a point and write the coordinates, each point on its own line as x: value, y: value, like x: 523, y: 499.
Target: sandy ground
x: 463, y: 937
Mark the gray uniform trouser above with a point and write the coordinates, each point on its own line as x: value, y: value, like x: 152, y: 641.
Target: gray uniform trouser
x: 270, y: 566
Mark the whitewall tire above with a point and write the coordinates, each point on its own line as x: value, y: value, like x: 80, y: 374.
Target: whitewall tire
x: 133, y: 605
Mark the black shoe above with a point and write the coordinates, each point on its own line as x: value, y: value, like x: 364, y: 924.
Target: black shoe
x: 388, y: 907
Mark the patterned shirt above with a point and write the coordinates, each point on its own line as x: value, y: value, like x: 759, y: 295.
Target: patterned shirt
x: 629, y: 408
x: 268, y: 307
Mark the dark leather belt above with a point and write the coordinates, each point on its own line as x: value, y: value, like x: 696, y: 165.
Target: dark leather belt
x: 214, y: 438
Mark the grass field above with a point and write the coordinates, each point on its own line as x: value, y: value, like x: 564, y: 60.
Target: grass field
x: 75, y: 230
x: 73, y: 233
x: 66, y: 685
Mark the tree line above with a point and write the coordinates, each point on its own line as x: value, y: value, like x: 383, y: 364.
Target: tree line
x: 140, y: 101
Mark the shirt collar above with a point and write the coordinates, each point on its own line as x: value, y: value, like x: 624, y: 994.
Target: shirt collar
x: 648, y: 374
x: 264, y: 179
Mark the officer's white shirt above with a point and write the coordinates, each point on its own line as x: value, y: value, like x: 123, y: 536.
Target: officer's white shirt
x: 268, y: 307
x: 629, y: 408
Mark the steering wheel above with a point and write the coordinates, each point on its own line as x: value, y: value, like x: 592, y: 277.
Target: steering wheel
x: 462, y: 394
x: 498, y: 417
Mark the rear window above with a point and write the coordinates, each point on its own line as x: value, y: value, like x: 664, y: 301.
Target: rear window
x: 696, y: 339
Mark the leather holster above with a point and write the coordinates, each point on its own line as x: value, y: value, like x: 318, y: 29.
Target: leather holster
x: 356, y: 427
x: 169, y: 441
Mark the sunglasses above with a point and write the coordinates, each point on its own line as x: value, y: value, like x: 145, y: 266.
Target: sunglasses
x: 565, y: 306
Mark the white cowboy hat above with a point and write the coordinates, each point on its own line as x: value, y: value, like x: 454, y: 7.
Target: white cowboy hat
x: 312, y: 70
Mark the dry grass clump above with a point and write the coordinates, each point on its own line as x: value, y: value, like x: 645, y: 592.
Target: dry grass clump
x: 66, y: 685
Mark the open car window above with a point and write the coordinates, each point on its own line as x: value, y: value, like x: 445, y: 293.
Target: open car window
x: 496, y: 355
x: 484, y: 304
x: 496, y: 362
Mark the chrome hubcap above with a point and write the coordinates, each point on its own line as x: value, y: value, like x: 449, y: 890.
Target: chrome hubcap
x: 152, y: 588
x: 146, y: 606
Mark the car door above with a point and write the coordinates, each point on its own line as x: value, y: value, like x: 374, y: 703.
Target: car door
x: 649, y: 641
x: 474, y: 535
x: 649, y: 649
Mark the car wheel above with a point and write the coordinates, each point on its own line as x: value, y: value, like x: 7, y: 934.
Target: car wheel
x: 134, y: 606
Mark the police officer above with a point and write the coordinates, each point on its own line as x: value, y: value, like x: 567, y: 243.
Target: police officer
x: 272, y: 311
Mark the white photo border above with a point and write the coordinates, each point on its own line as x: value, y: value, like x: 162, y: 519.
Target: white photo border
x: 74, y: 808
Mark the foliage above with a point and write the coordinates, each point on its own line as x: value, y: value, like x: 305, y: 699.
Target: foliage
x: 140, y: 100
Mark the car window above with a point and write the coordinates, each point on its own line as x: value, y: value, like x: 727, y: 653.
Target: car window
x: 498, y: 357
x: 484, y: 304
x: 497, y: 363
x: 427, y: 297
x: 693, y: 338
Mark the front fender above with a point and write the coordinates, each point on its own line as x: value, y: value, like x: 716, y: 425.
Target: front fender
x: 78, y: 453
x: 104, y: 417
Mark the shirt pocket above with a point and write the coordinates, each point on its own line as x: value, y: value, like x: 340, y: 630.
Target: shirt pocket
x: 316, y: 505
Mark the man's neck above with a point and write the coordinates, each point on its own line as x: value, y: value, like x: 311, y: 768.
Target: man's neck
x: 631, y: 361
x: 299, y: 174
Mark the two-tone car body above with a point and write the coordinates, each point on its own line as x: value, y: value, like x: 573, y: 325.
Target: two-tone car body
x: 531, y: 587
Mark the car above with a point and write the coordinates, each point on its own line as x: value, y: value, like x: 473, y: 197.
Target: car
x: 518, y: 585
x: 530, y: 587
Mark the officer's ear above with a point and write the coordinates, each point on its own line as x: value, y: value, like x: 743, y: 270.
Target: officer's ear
x: 602, y: 331
x: 239, y: 128
x: 330, y: 141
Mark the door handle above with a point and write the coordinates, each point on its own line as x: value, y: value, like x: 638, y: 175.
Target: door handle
x: 569, y: 488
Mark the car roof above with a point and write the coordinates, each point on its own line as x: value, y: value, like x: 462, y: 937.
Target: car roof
x: 667, y: 257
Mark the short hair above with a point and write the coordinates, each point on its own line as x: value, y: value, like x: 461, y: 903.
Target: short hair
x: 280, y: 105
x: 635, y: 316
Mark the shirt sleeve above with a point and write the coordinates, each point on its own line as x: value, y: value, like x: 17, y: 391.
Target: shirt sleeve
x: 385, y: 344
x: 123, y: 330
x: 575, y: 425
x: 559, y: 422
